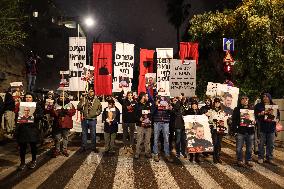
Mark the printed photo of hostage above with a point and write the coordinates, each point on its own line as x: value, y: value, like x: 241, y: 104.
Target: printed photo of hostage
x: 123, y: 81
x: 227, y: 103
x: 164, y: 103
x: 271, y: 113
x: 26, y: 112
x: 247, y: 118
x: 198, y: 134
x: 151, y: 80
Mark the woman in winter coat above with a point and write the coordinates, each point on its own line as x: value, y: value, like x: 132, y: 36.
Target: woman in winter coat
x: 62, y: 113
x: 111, y: 118
x: 28, y: 133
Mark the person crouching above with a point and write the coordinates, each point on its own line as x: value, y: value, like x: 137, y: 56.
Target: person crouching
x: 111, y: 118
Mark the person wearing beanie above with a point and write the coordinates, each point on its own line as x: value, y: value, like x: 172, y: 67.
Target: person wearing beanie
x: 90, y: 107
x: 267, y: 129
x: 208, y: 105
x: 245, y: 132
x: 28, y: 133
x: 62, y: 113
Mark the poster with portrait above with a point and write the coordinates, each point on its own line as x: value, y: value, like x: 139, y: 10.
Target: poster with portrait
x: 151, y: 80
x: 271, y: 112
x: 229, y: 96
x: 49, y: 104
x: 26, y: 112
x: 163, y: 99
x: 2, y: 95
x: 64, y: 80
x: 88, y: 74
x: 219, y: 120
x: 198, y: 134
x: 247, y: 118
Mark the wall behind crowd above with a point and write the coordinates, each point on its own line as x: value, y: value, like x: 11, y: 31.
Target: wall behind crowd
x: 12, y: 69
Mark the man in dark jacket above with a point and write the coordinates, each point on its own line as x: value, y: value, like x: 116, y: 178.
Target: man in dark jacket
x: 128, y: 120
x: 267, y: 129
x: 244, y: 130
x: 8, y: 110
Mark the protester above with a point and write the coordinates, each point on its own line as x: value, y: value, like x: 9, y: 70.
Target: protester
x: 217, y: 120
x: 267, y: 129
x: 90, y: 107
x: 32, y: 70
x: 161, y: 119
x: 193, y: 110
x: 28, y: 133
x: 245, y: 133
x: 111, y: 118
x: 144, y: 123
x: 9, y: 114
x: 208, y: 105
x: 128, y: 120
x: 62, y: 113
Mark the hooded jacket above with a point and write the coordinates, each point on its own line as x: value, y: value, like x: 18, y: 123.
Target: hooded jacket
x: 90, y: 107
x: 264, y: 126
x: 63, y: 114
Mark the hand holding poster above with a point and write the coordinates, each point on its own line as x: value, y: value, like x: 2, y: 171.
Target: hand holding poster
x: 198, y: 134
x: 271, y: 113
x: 26, y: 112
x: 247, y: 118
x: 182, y: 77
x: 219, y: 121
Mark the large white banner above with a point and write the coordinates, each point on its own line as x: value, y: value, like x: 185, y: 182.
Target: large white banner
x: 123, y: 67
x: 77, y: 62
x: 182, y: 77
x: 164, y: 55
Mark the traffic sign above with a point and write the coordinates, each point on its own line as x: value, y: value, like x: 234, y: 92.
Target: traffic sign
x: 228, y: 44
x: 228, y: 57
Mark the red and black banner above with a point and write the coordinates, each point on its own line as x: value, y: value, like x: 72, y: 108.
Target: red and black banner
x: 189, y: 51
x: 102, y: 59
x: 146, y: 66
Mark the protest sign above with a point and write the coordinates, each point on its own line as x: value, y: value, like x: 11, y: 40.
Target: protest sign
x: 247, y: 118
x: 123, y: 67
x: 164, y: 55
x: 26, y: 112
x: 198, y: 134
x: 271, y: 113
x: 182, y: 77
x: 77, y: 61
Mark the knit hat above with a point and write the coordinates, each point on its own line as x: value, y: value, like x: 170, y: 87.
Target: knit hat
x: 217, y: 100
x: 268, y: 95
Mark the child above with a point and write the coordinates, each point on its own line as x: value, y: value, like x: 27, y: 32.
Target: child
x: 111, y: 118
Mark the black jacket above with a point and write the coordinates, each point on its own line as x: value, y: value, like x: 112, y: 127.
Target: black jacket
x: 178, y: 112
x: 140, y: 107
x: 129, y: 110
x: 29, y: 132
x: 236, y: 128
x: 9, y: 102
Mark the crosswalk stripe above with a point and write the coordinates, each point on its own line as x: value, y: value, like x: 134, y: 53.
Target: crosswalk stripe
x: 83, y: 176
x: 124, y: 174
x: 40, y: 175
x: 203, y: 178
x: 163, y: 176
x: 236, y: 176
x: 261, y: 170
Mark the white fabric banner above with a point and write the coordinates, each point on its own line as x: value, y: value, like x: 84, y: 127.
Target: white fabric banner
x: 77, y: 61
x: 164, y: 55
x: 123, y: 67
x: 182, y: 77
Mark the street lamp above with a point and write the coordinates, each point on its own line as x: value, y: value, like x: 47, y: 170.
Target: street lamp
x: 89, y: 22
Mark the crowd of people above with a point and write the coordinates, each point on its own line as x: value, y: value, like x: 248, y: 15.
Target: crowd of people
x: 153, y: 118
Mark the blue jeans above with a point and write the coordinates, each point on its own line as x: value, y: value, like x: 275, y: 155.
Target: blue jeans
x: 164, y: 127
x: 86, y: 124
x: 180, y: 141
x: 248, y: 140
x: 31, y: 82
x: 268, y: 140
x: 217, y: 141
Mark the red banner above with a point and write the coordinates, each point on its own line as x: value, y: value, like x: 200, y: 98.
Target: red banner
x: 102, y: 59
x: 189, y: 51
x: 146, y: 66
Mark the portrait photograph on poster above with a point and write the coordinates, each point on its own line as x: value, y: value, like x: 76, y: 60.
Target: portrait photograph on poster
x: 151, y: 80
x: 247, y: 118
x: 271, y: 112
x: 26, y: 112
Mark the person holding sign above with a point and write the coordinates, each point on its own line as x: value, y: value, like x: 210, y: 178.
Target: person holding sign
x: 161, y: 118
x: 27, y: 133
x: 111, y: 118
x: 217, y: 121
x: 267, y: 127
x: 243, y: 124
x: 62, y: 113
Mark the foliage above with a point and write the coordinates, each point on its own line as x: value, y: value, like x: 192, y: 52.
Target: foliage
x: 255, y: 25
x: 11, y: 19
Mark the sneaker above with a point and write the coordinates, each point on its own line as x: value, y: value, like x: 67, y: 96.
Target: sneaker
x: 65, y: 153
x: 169, y: 159
x: 260, y: 161
x: 156, y: 158
x: 136, y: 156
x: 22, y: 167
x: 249, y: 163
x: 32, y: 164
x: 148, y: 155
x: 240, y: 163
x: 270, y: 162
